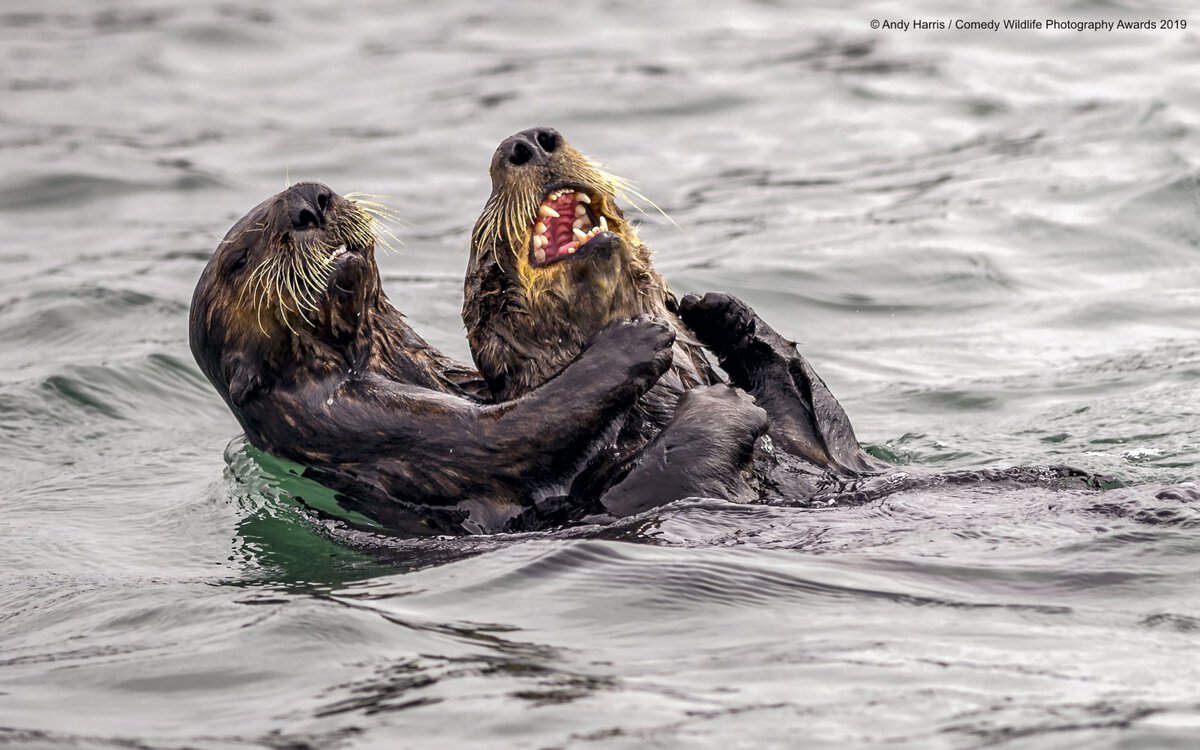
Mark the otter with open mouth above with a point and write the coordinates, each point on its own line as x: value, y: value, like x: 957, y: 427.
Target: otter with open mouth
x: 290, y: 324
x: 553, y: 260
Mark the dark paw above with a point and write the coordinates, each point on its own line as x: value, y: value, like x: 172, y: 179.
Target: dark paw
x: 643, y: 345
x: 721, y: 321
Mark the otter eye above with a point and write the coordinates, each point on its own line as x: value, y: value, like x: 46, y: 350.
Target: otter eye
x: 239, y: 260
x: 548, y: 141
x: 323, y: 202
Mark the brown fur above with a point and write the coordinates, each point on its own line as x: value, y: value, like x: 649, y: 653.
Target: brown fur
x: 525, y: 323
x: 296, y: 334
x: 277, y: 313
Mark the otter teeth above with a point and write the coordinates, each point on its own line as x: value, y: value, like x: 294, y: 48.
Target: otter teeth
x: 545, y: 245
x: 581, y: 238
x: 340, y: 251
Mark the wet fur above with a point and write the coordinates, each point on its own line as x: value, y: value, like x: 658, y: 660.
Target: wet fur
x: 331, y: 376
x: 525, y: 323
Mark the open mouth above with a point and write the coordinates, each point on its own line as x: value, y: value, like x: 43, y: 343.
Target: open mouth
x: 565, y: 224
x: 344, y: 249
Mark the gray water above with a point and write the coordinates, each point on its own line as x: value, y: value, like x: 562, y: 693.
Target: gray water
x: 985, y: 241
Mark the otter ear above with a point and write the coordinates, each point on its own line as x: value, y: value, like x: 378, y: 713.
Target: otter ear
x: 244, y: 377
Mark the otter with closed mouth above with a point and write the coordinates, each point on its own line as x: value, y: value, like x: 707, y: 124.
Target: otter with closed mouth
x: 553, y: 260
x: 290, y: 324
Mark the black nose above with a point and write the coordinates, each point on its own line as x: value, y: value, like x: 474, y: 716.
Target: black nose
x: 532, y: 146
x: 307, y: 203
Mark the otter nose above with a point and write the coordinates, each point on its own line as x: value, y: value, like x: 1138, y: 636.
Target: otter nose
x: 307, y: 203
x: 532, y: 146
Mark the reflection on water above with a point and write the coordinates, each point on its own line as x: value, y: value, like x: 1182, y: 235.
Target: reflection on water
x: 985, y: 241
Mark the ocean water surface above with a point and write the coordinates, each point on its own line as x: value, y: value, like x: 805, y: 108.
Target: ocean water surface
x: 986, y: 242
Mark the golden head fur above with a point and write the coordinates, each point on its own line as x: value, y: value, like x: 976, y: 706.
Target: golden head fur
x: 504, y: 229
x: 540, y: 283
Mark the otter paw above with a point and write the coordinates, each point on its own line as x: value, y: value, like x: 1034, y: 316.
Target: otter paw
x: 642, y: 344
x: 721, y: 321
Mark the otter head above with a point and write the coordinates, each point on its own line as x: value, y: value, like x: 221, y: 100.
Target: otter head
x: 552, y: 219
x: 290, y: 286
x: 553, y: 261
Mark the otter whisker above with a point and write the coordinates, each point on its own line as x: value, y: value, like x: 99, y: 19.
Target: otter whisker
x: 277, y: 286
x: 360, y: 199
x: 293, y: 283
x: 623, y: 194
x: 385, y: 240
x: 291, y: 280
x: 364, y: 224
x: 259, y: 303
x: 371, y: 218
x: 287, y: 321
x: 251, y: 282
x: 379, y: 209
x: 504, y: 218
x: 370, y: 222
x: 300, y: 285
x: 257, y: 286
x: 381, y: 233
x: 260, y: 281
x: 310, y: 275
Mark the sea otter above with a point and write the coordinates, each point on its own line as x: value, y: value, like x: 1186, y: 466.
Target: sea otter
x: 553, y: 260
x: 291, y: 326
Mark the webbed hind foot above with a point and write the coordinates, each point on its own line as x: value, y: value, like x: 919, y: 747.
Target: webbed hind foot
x: 806, y: 420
